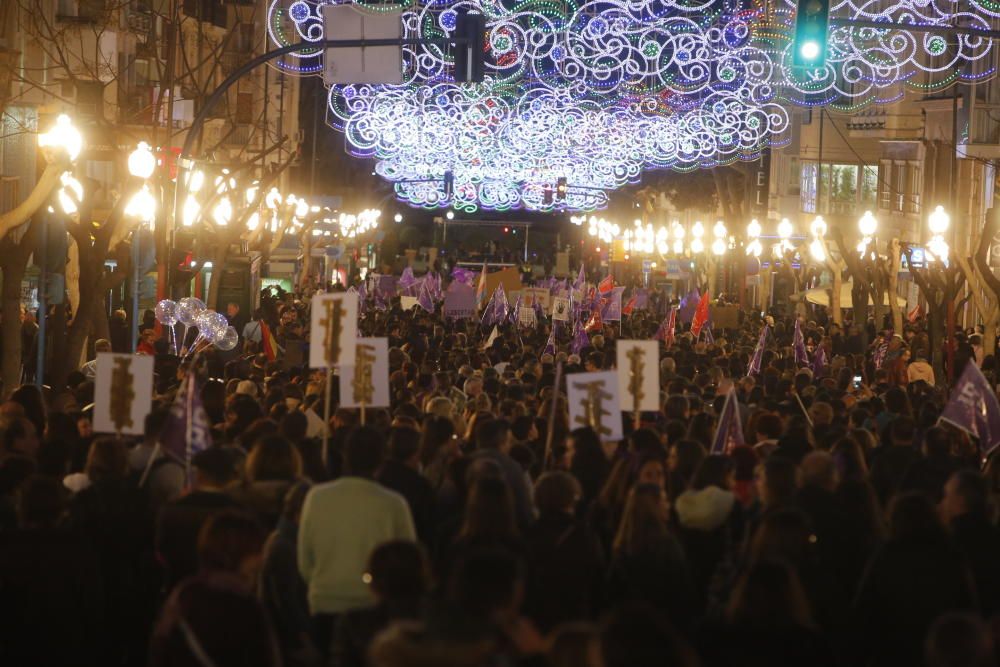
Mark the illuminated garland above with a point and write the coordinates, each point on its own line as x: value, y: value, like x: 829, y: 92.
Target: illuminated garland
x: 596, y: 92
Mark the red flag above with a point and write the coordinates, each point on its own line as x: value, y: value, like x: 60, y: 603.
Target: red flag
x: 268, y: 342
x: 594, y: 323
x: 915, y: 314
x: 606, y: 285
x: 668, y: 336
x: 630, y: 306
x: 700, y: 315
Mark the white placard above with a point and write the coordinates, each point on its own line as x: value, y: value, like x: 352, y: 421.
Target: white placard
x: 526, y: 316
x: 560, y: 308
x: 539, y: 294
x: 376, y: 350
x: 338, y: 312
x: 647, y: 353
x: 123, y: 392
x: 593, y: 401
x: 407, y: 302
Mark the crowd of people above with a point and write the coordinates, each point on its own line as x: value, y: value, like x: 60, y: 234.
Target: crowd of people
x: 471, y: 524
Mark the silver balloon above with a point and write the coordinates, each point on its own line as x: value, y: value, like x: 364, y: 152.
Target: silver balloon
x: 229, y: 340
x: 166, y: 312
x: 188, y: 309
x: 217, y: 325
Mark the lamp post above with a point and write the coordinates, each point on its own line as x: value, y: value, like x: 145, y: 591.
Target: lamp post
x: 142, y: 208
x: 937, y: 249
x: 754, y: 250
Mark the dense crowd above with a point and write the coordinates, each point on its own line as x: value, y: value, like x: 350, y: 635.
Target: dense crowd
x: 471, y: 524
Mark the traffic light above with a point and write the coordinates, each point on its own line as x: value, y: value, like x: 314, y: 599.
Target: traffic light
x: 547, y: 195
x: 470, y: 57
x: 561, y: 188
x: 449, y: 183
x: 812, y: 18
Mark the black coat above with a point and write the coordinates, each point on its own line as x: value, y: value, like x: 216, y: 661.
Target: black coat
x: 565, y: 571
x: 417, y: 491
x: 51, y: 599
x: 657, y: 574
x: 725, y: 645
x: 979, y: 541
x: 889, y: 465
x: 908, y: 583
x: 177, y: 530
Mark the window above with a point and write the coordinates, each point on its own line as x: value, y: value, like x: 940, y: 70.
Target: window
x: 807, y: 187
x: 869, y: 187
x: 884, y: 187
x: 794, y: 176
x: 840, y: 188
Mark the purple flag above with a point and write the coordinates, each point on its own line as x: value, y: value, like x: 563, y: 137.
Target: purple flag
x: 819, y: 360
x: 463, y: 275
x: 729, y: 432
x: 515, y: 312
x: 385, y: 286
x: 580, y: 340
x: 496, y: 309
x: 799, y: 345
x: 581, y: 279
x: 424, y: 299
x: 641, y: 299
x: 688, y: 306
x: 407, y: 280
x: 380, y: 303
x: 550, y: 344
x: 187, y: 430
x: 973, y: 408
x: 612, y: 309
x: 758, y: 353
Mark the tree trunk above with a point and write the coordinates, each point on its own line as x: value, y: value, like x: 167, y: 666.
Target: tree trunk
x: 937, y: 314
x: 990, y: 323
x: 893, y: 275
x: 218, y: 265
x: 836, y: 314
x: 10, y: 327
x: 306, y: 261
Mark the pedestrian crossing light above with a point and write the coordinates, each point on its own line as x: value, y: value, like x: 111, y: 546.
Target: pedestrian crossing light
x: 561, y: 187
x: 812, y: 18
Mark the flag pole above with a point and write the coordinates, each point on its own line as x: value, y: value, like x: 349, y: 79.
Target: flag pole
x: 550, y: 429
x: 149, y: 464
x: 326, y: 417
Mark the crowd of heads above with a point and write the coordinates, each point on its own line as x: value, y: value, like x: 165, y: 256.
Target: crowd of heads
x: 470, y: 522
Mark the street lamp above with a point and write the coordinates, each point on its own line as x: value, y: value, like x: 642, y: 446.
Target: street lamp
x: 62, y: 136
x: 70, y: 195
x: 678, y: 238
x: 719, y: 244
x: 754, y: 248
x: 867, y: 225
x: 818, y: 248
x: 697, y: 232
x: 938, y: 223
x: 141, y: 161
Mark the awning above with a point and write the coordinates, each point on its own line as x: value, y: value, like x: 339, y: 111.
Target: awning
x: 820, y: 296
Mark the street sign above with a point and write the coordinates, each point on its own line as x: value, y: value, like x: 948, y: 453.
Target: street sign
x: 367, y: 64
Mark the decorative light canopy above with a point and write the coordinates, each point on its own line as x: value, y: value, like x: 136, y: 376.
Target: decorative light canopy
x: 598, y: 91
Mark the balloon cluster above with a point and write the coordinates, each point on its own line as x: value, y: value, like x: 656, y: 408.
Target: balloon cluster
x: 213, y: 328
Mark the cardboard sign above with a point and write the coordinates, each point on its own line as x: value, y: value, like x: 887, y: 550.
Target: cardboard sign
x: 724, y: 317
x: 510, y: 277
x: 459, y: 301
x: 371, y: 384
x: 123, y: 393
x: 532, y: 294
x: 333, y: 330
x: 594, y: 401
x: 560, y: 308
x: 639, y: 372
x: 526, y: 316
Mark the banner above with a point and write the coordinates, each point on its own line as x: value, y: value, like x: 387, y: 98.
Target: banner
x: 459, y: 301
x: 799, y: 345
x: 187, y: 430
x: 123, y: 393
x: 333, y: 329
x: 367, y: 380
x: 639, y: 374
x: 612, y: 310
x: 594, y: 402
x: 973, y: 408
